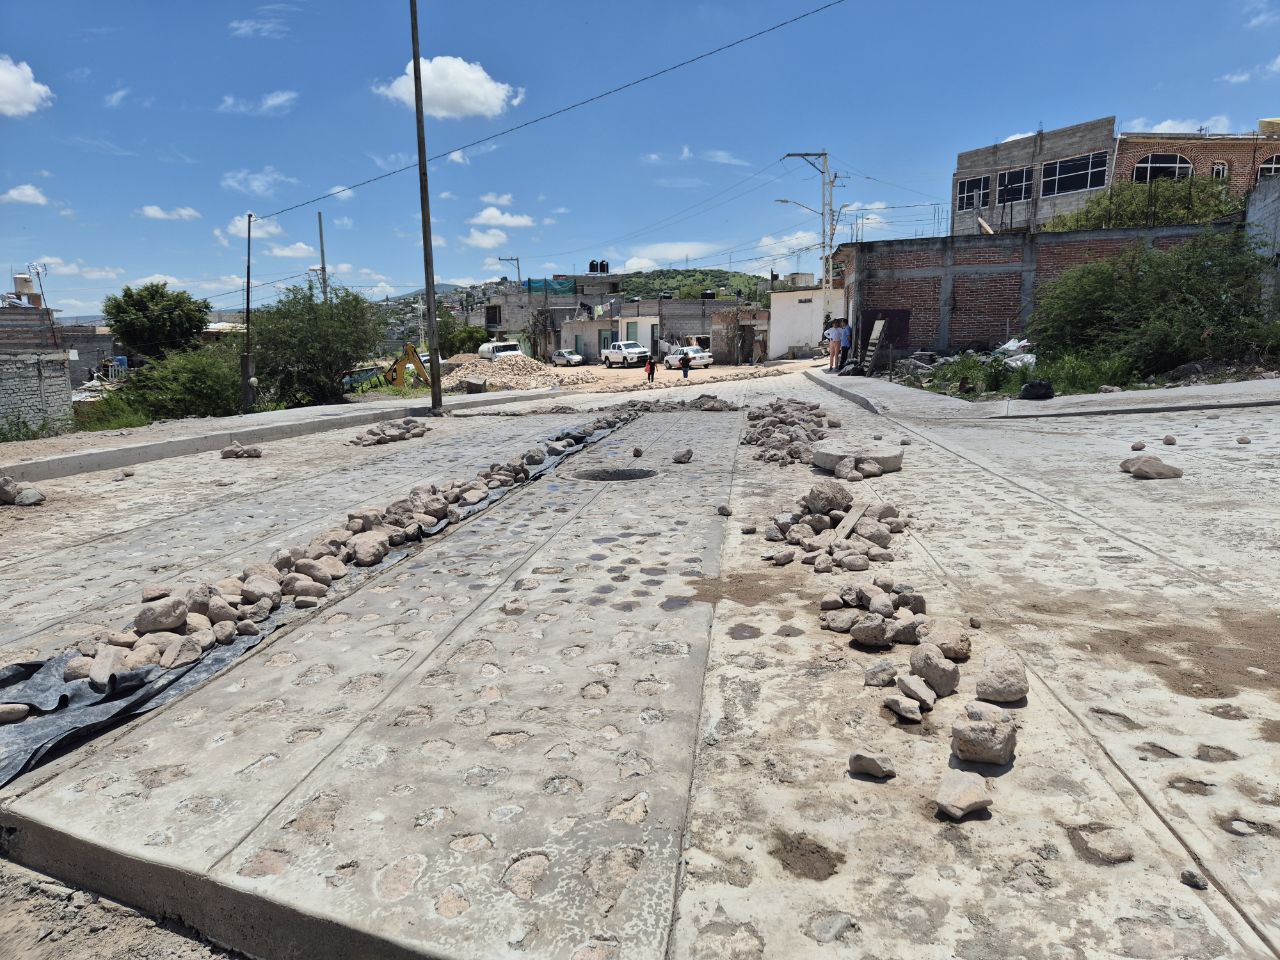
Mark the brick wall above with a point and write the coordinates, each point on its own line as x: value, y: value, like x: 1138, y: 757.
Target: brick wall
x: 26, y: 328
x: 34, y: 387
x: 976, y: 291
x: 1243, y: 156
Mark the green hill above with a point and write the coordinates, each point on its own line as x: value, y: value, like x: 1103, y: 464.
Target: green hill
x: 689, y: 284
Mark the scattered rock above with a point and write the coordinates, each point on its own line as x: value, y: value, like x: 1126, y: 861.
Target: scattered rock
x: 961, y: 793
x: 783, y: 557
x: 915, y: 688
x: 682, y: 456
x: 637, y: 452
x: 872, y: 764
x: 169, y: 613
x: 827, y: 495
x: 28, y: 497
x: 180, y: 652
x: 1192, y: 878
x: 869, y: 631
x: 1138, y: 445
x: 991, y: 739
x: 724, y: 510
x: 13, y: 712
x: 1169, y: 440
x: 748, y: 529
x: 948, y: 635
x: 882, y: 673
x: 929, y: 663
x: 1242, y: 440
x: 828, y: 927
x: 904, y: 707
x: 77, y: 668
x: 1004, y: 678
x: 1154, y: 469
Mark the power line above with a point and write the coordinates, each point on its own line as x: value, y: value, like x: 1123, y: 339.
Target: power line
x: 566, y: 109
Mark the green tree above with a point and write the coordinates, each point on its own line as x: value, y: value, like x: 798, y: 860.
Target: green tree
x: 153, y: 319
x: 1156, y: 309
x: 456, y: 336
x: 304, y: 347
x: 1160, y: 203
x: 204, y: 382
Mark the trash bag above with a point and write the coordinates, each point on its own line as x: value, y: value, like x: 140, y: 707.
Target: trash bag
x: 1036, y: 390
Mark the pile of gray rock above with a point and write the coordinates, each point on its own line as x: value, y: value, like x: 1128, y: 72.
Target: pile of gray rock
x: 391, y: 431
x: 173, y: 629
x: 15, y: 494
x: 786, y: 430
x: 238, y: 451
x: 882, y: 615
x: 824, y: 532
x: 703, y: 403
x: 1148, y: 467
x: 853, y: 461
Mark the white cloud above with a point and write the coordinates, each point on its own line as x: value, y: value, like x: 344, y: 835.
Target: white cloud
x: 343, y: 223
x: 452, y: 88
x: 725, y: 157
x: 271, y: 104
x: 457, y: 156
x: 335, y: 269
x: 20, y: 93
x: 560, y: 210
x: 262, y: 229
x: 391, y: 161
x: 549, y: 265
x: 342, y: 192
x: 449, y: 195
x: 436, y: 241
x: 636, y: 264
x: 686, y: 153
x: 77, y: 268
x: 468, y: 281
x: 1259, y: 14
x: 260, y: 184
x: 498, y: 199
x: 153, y: 212
x: 372, y: 274
x: 265, y: 28
x: 80, y: 306
x: 1219, y: 123
x: 518, y: 98
x: 548, y: 221
x: 1240, y: 76
x: 221, y: 237
x: 25, y: 193
x: 779, y: 249
x: 485, y: 239
x: 1018, y: 136
x: 156, y: 278
x: 492, y: 263
x: 651, y: 158
x: 113, y: 100
x: 102, y: 145
x: 667, y: 252
x: 298, y: 249
x: 493, y: 217
x: 67, y: 213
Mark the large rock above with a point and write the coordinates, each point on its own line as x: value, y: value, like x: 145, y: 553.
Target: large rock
x: 29, y: 497
x: 904, y: 707
x: 260, y: 588
x: 829, y: 454
x: 107, y: 662
x: 919, y: 691
x: 961, y: 793
x: 827, y: 495
x: 682, y: 456
x: 1153, y: 469
x: 948, y: 635
x: 986, y: 734
x: 869, y: 631
x: 9, y: 490
x: 169, y: 613
x: 13, y: 712
x: 368, y: 549
x: 1004, y: 678
x: 220, y: 611
x: 874, y: 531
x: 929, y: 663
x: 180, y: 652
x: 882, y: 673
x: 841, y: 621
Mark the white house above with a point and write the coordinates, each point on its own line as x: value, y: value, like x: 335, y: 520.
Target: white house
x: 796, y: 318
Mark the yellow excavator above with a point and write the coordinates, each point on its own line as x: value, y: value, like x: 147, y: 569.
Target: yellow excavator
x: 398, y: 375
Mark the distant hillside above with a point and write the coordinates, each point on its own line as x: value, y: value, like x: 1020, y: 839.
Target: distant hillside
x: 440, y: 288
x: 689, y: 284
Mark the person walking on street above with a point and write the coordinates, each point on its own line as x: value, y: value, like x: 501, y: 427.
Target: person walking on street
x: 649, y: 366
x: 685, y: 364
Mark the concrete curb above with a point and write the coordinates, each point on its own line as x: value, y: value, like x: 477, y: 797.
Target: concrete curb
x: 862, y: 401
x: 114, y: 458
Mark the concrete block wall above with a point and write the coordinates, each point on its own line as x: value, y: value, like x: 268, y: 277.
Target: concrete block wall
x: 977, y: 291
x: 35, y: 387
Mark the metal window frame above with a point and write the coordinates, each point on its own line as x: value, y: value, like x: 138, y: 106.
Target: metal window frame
x: 1177, y: 166
x: 1097, y: 163
x: 1026, y: 187
x: 1269, y: 167
x: 963, y: 194
x: 1221, y: 170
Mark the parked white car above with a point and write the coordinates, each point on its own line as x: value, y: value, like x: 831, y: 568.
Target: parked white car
x: 697, y: 357
x: 496, y: 348
x: 567, y: 358
x: 625, y: 353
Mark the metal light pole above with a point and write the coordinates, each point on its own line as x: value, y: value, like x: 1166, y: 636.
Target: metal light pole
x: 428, y: 267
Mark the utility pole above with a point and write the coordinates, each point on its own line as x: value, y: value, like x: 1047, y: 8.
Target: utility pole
x: 324, y: 271
x: 248, y: 382
x: 516, y: 261
x: 421, y: 310
x: 424, y: 196
x: 827, y: 215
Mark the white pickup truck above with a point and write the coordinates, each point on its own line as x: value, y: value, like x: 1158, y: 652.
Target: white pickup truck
x: 625, y: 353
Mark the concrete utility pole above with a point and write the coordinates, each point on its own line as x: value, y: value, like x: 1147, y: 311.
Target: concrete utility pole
x: 324, y: 271
x: 827, y: 215
x: 516, y: 261
x: 424, y: 196
x: 248, y: 382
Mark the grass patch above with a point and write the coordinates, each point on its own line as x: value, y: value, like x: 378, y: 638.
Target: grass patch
x: 1069, y: 373
x: 15, y: 428
x: 112, y: 412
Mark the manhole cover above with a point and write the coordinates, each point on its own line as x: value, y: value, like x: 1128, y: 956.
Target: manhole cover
x: 617, y: 473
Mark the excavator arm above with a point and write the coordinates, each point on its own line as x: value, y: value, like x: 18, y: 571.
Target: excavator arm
x: 398, y: 374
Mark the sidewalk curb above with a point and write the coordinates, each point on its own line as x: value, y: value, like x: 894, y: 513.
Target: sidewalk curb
x: 114, y: 458
x: 862, y: 401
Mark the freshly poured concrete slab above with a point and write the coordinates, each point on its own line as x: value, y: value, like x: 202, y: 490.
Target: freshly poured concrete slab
x: 55, y: 594
x: 484, y: 752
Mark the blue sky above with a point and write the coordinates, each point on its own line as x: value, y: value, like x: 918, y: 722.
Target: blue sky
x: 135, y: 134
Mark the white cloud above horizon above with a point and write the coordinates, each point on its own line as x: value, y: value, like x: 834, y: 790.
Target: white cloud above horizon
x: 114, y: 99
x: 1218, y: 123
x: 485, y: 239
x: 25, y: 193
x: 273, y: 104
x: 152, y: 211
x: 452, y: 88
x: 493, y: 217
x: 20, y: 93
x: 263, y: 183
x: 298, y: 249
x: 497, y: 199
x: 1018, y: 136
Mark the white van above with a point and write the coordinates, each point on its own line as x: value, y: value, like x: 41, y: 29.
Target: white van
x: 496, y: 348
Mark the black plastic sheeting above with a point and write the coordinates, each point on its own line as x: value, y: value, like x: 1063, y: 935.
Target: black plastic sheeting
x: 65, y: 713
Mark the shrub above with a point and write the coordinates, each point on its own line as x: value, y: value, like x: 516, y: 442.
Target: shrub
x: 1158, y: 204
x: 152, y: 319
x: 204, y: 382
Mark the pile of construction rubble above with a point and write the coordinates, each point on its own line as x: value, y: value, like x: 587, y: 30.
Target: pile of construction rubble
x: 785, y: 430
x: 391, y: 431
x: 515, y: 371
x: 171, y: 629
x: 666, y: 381
x: 15, y: 494
x: 882, y: 615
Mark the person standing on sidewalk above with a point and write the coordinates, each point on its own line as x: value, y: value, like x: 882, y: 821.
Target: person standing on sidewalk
x: 833, y: 345
x: 846, y: 339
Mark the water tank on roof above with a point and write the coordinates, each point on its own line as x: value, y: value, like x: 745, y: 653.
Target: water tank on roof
x: 604, y: 266
x: 22, y: 284
x: 593, y: 267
